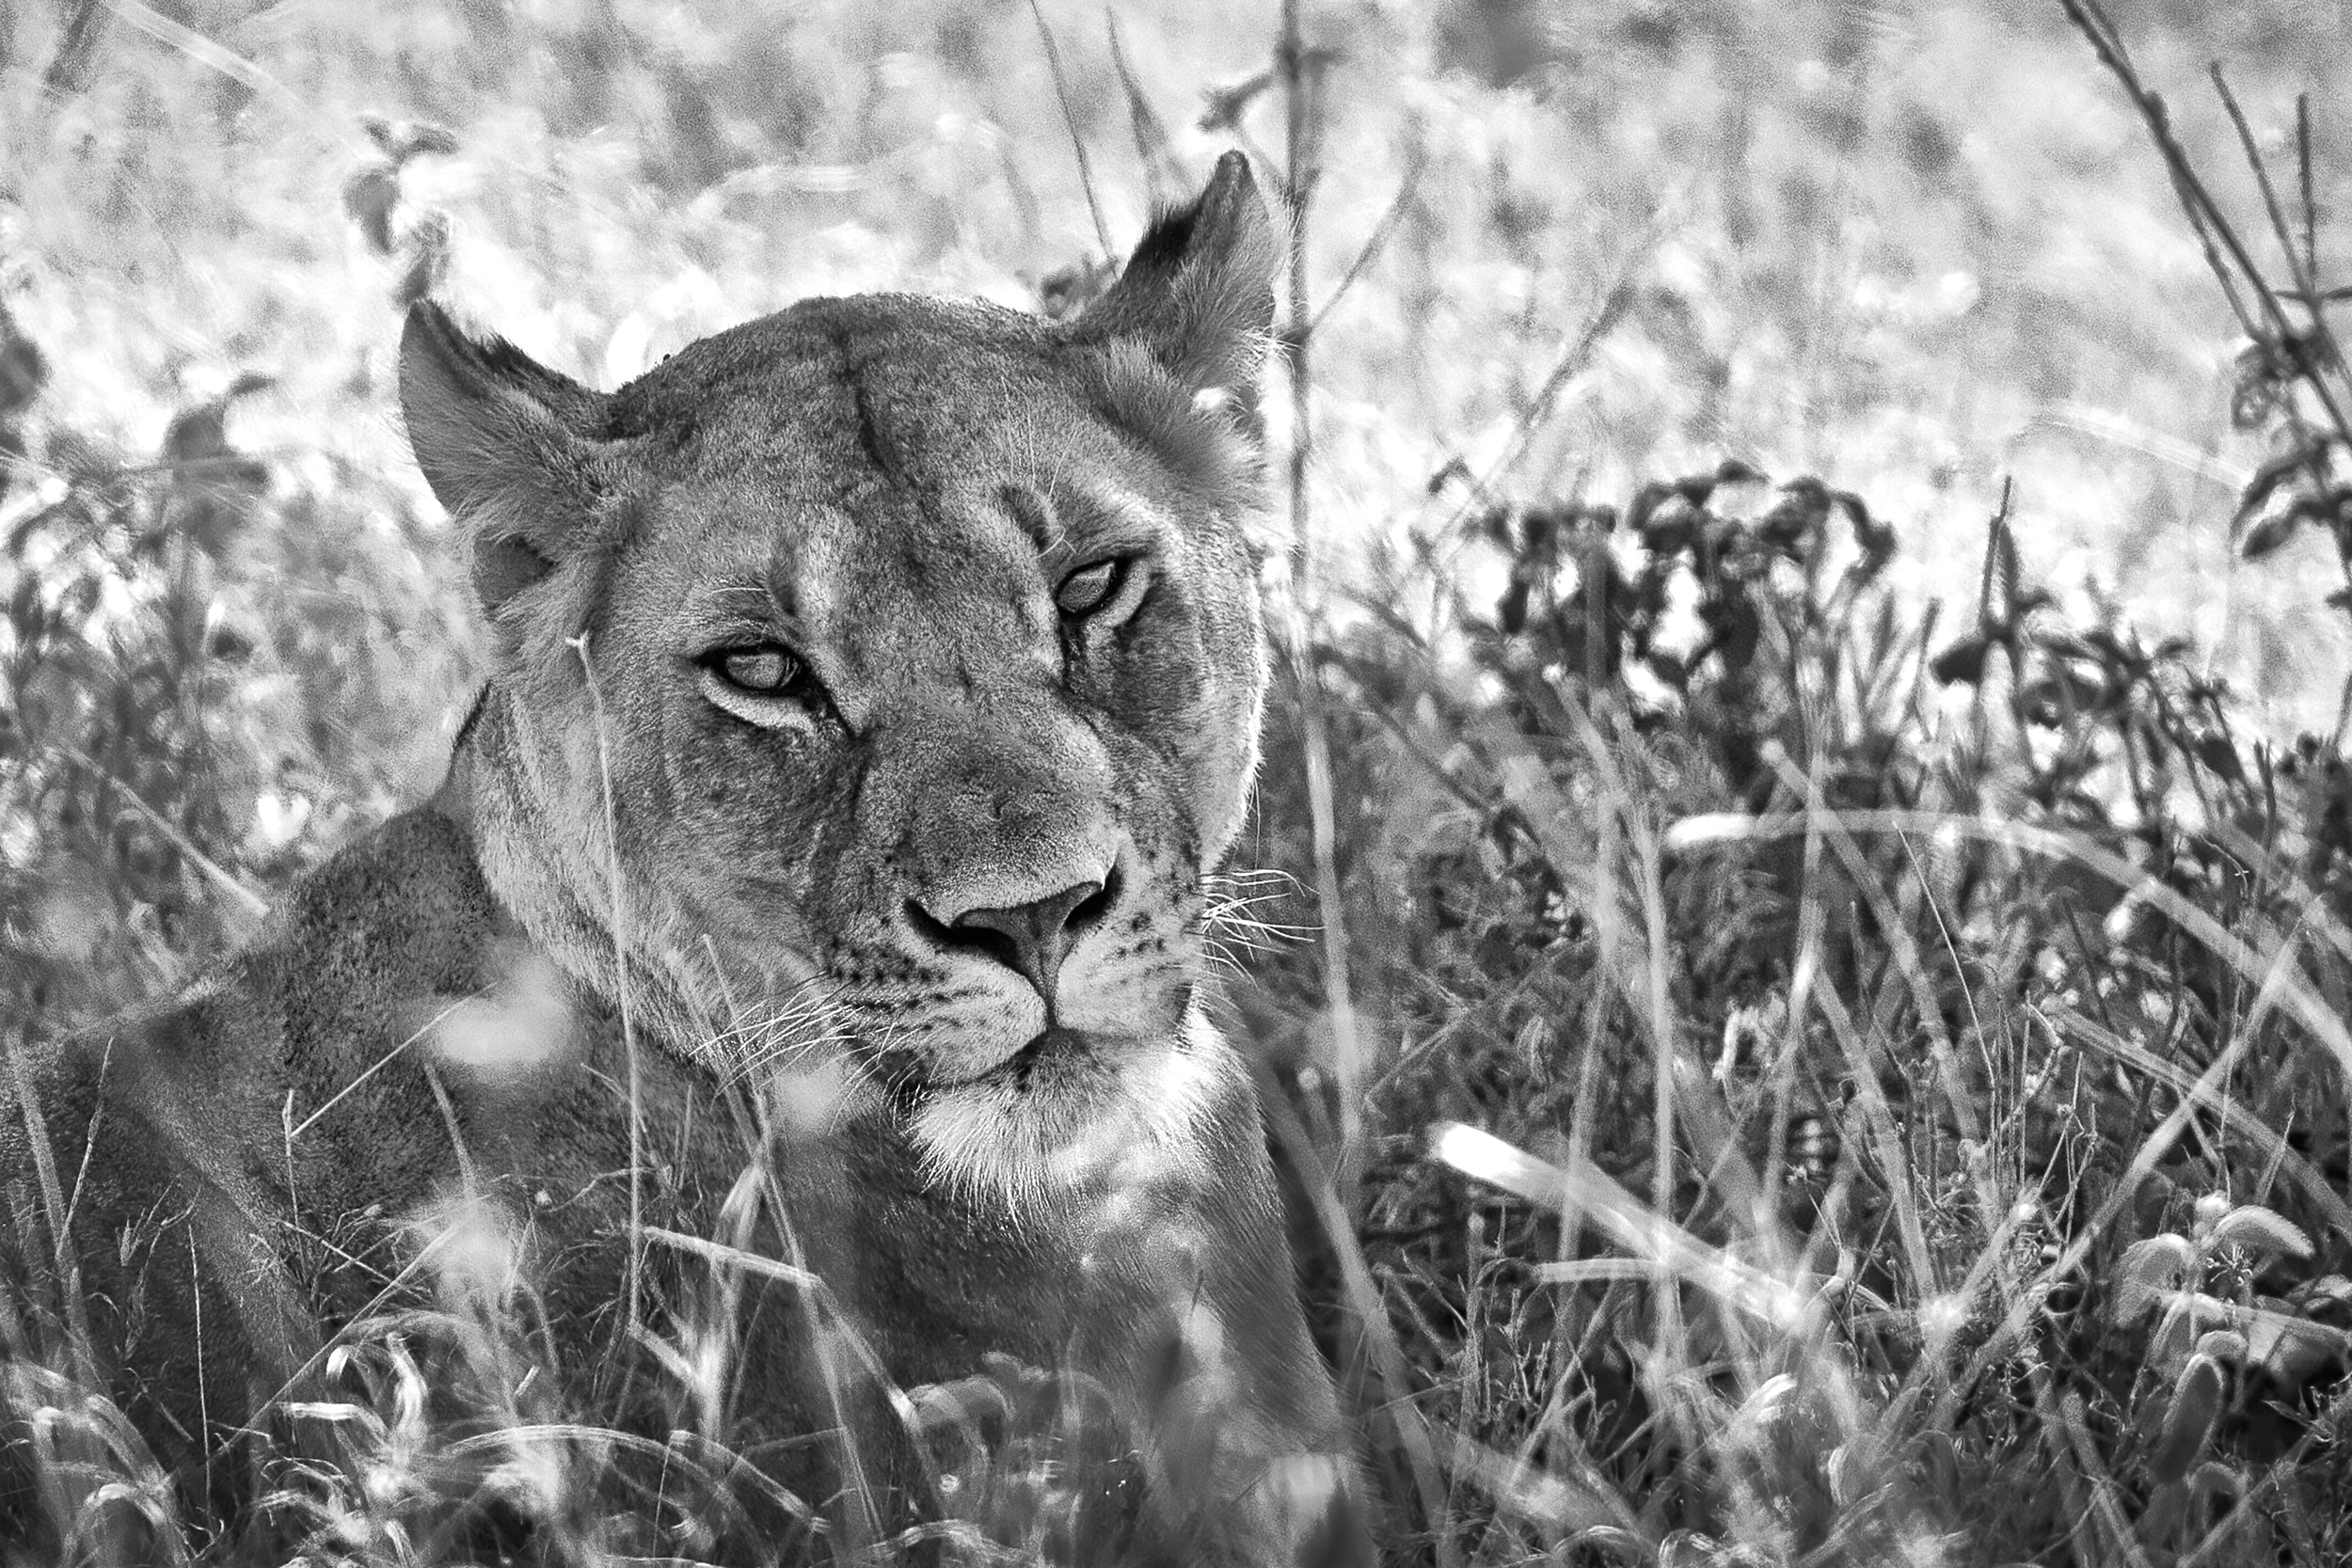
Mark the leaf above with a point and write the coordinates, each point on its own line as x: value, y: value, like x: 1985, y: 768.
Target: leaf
x: 2184, y: 1312
x: 2298, y: 461
x: 2333, y: 1289
x: 2292, y: 1350
x: 2216, y: 1480
x: 1875, y: 536
x: 368, y: 198
x: 2166, y: 1513
x: 1645, y: 500
x: 1737, y: 629
x: 2149, y: 1270
x: 2220, y: 757
x: 1672, y: 526
x: 426, y: 138
x: 1963, y: 663
x: 2270, y: 531
x: 23, y: 368
x: 2261, y: 1231
x: 1797, y: 518
x: 2187, y: 1420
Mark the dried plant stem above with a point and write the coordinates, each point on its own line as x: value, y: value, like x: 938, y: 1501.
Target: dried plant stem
x: 633, y: 1274
x: 1070, y: 120
x: 2305, y: 284
x: 54, y: 1201
x: 1299, y: 75
x: 1332, y: 1183
x: 1412, y: 1433
x: 2311, y: 205
x: 2091, y: 19
x: 1162, y: 174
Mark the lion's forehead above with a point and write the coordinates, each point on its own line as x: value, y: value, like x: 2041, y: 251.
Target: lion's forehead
x: 839, y: 370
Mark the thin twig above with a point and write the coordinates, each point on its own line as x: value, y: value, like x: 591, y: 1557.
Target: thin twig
x: 634, y: 1267
x: 2311, y: 207
x: 1299, y: 176
x: 1333, y: 1186
x: 420, y: 1032
x: 2107, y: 44
x: 1374, y: 244
x: 2092, y: 21
x: 196, y: 1303
x: 1077, y: 142
x: 2304, y: 283
x: 1162, y: 174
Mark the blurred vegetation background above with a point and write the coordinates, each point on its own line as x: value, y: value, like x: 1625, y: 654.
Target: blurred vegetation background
x: 1921, y: 257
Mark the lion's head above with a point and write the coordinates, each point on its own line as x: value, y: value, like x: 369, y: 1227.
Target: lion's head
x: 886, y: 674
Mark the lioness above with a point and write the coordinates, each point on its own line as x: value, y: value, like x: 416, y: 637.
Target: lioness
x: 786, y: 1009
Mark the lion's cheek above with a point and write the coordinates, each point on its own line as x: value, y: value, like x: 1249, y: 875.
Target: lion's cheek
x: 1191, y: 689
x: 738, y: 854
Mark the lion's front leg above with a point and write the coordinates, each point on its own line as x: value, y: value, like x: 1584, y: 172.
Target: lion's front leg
x: 1192, y: 1316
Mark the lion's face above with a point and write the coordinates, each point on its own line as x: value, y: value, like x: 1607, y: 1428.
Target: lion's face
x: 903, y: 659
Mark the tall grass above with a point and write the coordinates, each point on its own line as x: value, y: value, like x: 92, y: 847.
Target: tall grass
x: 1900, y: 1079
x: 1778, y: 1074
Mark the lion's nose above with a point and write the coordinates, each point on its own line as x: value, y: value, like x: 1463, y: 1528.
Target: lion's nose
x: 1029, y: 939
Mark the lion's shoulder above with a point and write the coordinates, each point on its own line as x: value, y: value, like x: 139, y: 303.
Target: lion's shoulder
x: 399, y: 915
x: 403, y: 905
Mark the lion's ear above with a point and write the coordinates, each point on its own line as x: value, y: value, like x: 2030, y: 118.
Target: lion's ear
x: 508, y: 446
x: 1199, y: 291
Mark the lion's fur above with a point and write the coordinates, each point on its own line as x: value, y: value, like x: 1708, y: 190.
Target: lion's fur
x: 640, y: 943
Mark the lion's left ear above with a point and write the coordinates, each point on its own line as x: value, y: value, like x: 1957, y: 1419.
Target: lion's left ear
x: 1199, y: 291
x: 509, y: 446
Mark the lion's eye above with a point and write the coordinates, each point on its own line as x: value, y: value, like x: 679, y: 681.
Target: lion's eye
x: 766, y: 684
x: 765, y: 670
x: 1090, y: 588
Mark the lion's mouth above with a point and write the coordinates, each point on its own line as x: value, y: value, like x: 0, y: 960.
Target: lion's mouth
x: 1059, y: 1057
x: 1055, y: 1047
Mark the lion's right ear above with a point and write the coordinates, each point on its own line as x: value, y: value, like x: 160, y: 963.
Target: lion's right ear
x: 1199, y: 292
x: 508, y: 446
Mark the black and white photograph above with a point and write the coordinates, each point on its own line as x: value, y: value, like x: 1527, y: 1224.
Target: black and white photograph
x: 1175, y: 784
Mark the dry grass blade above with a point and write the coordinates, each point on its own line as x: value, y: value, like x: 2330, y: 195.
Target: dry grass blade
x: 1370, y: 1310
x: 624, y: 965
x: 217, y: 57
x: 1553, y: 1501
x: 734, y: 1258
x: 2305, y: 1006
x: 1163, y: 175
x: 1586, y: 1192
x: 2234, y: 1120
x: 1299, y: 71
x: 1070, y: 122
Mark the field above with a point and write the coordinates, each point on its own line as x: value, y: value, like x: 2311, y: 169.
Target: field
x: 1799, y: 913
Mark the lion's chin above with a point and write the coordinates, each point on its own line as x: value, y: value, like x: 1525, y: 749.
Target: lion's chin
x: 1071, y: 1113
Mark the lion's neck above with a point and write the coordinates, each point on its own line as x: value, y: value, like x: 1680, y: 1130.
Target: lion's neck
x: 554, y: 880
